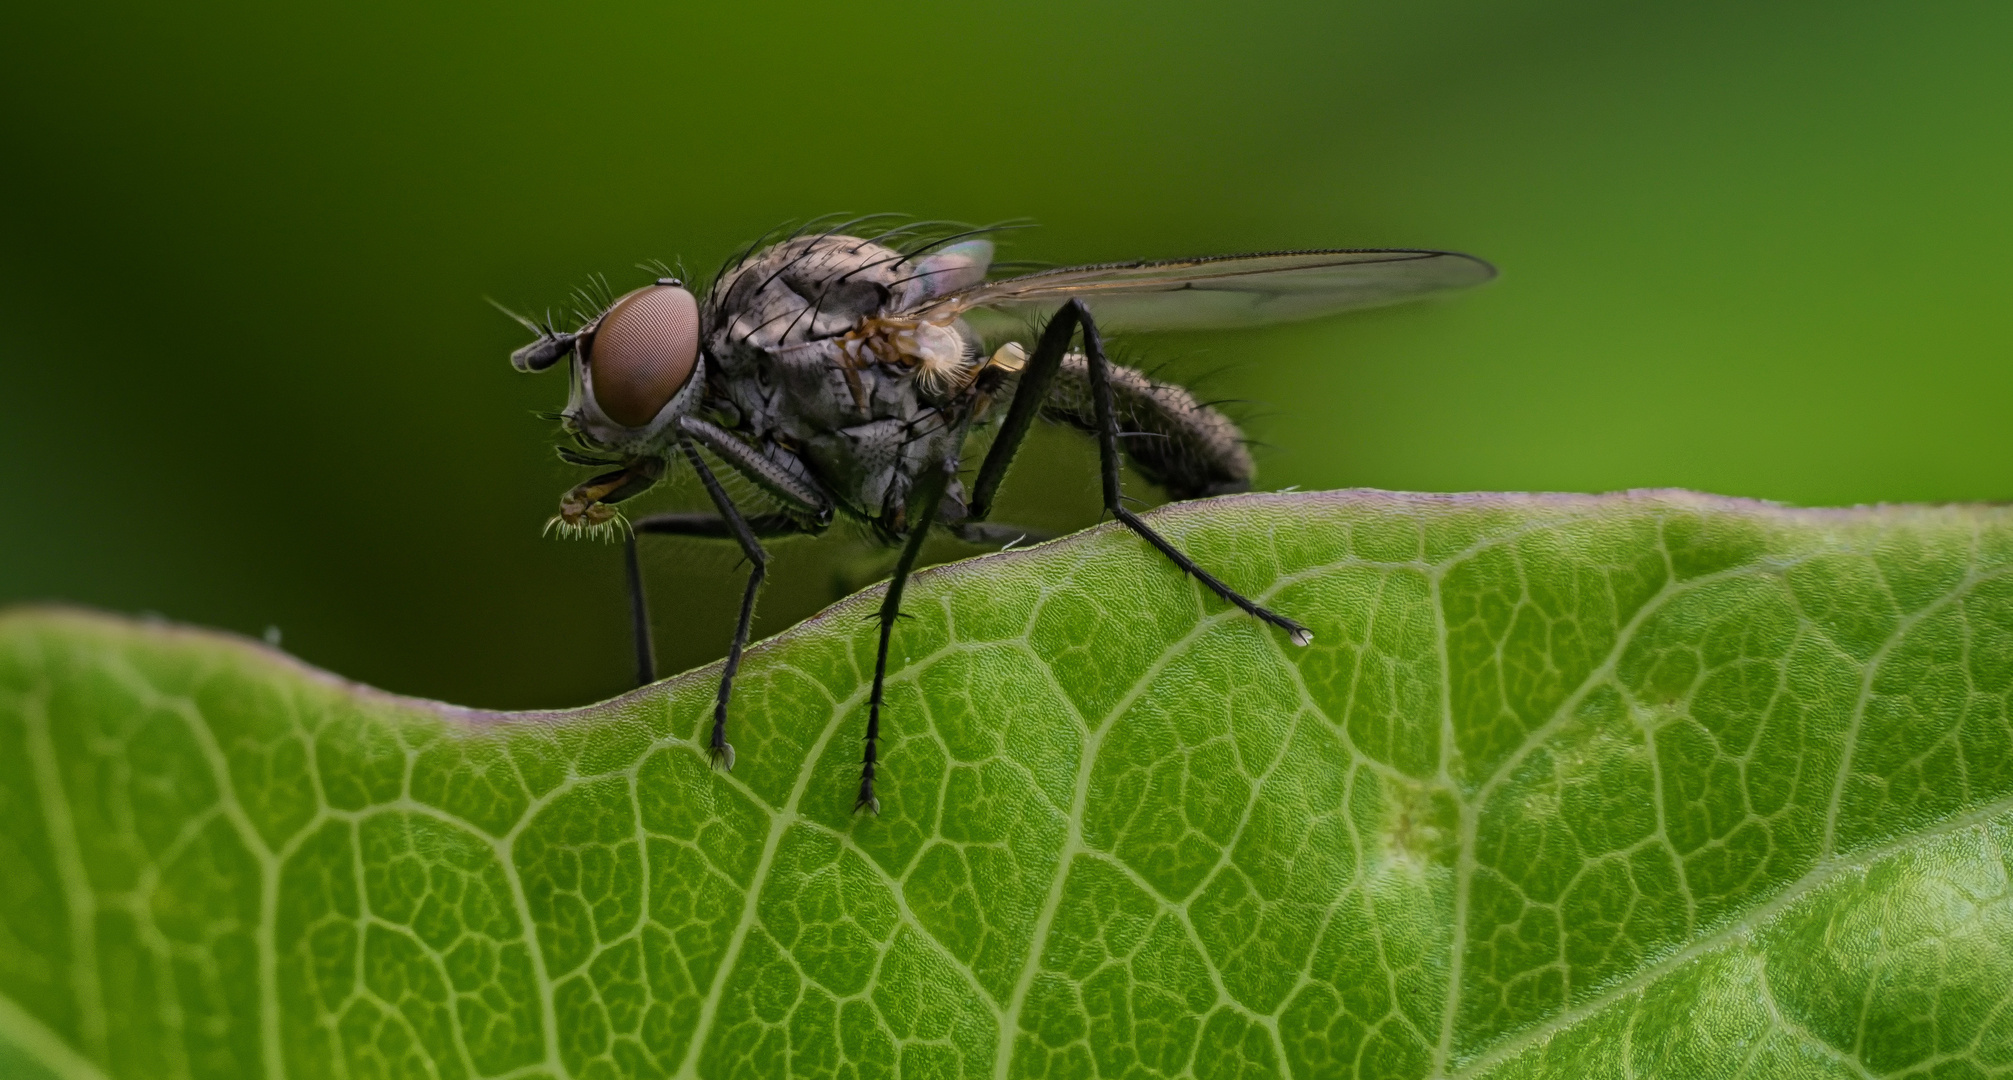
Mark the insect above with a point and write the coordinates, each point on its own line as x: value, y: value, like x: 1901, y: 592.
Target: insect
x: 843, y: 369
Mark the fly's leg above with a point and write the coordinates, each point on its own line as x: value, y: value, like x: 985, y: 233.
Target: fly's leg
x: 1107, y: 422
x: 807, y: 508
x: 924, y: 500
x: 706, y: 526
x: 1036, y: 378
x: 758, y: 565
x: 639, y: 614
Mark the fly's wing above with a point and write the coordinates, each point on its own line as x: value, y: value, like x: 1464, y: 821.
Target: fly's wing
x: 1222, y: 291
x: 950, y: 269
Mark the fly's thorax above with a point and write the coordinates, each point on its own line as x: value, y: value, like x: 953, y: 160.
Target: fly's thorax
x: 811, y: 351
x: 813, y: 288
x: 872, y: 467
x: 864, y: 431
x: 801, y: 290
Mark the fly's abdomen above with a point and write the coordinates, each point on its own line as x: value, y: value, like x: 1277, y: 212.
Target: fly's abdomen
x: 1187, y: 448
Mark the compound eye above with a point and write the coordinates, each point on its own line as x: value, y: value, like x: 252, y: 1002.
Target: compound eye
x: 643, y: 352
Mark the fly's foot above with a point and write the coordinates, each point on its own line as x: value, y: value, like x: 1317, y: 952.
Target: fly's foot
x: 722, y: 755
x: 867, y: 801
x: 1296, y: 633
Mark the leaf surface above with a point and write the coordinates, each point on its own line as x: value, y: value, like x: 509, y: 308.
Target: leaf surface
x: 1655, y: 784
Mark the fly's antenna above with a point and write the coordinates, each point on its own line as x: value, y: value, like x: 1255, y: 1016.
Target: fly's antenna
x: 547, y: 347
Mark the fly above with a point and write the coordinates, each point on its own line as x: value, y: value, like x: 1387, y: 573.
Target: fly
x: 843, y: 374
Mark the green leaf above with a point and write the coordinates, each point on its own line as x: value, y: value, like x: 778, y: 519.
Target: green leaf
x: 1646, y: 785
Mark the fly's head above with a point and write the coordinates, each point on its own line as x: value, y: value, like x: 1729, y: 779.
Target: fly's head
x: 634, y: 369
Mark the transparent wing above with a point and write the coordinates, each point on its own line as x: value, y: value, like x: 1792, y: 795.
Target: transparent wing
x: 1221, y: 291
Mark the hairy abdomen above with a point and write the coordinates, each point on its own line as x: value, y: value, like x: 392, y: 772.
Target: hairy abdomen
x: 1184, y: 446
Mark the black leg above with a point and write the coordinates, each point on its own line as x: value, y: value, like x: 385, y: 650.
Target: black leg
x: 773, y: 469
x: 1107, y: 422
x: 1036, y: 378
x: 708, y: 526
x: 927, y: 495
x: 639, y: 616
x: 715, y: 527
x: 758, y: 564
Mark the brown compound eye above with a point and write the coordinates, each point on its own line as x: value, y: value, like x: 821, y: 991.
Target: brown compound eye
x: 643, y: 352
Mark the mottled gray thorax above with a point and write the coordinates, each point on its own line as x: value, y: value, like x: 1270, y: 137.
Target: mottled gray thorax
x: 774, y: 325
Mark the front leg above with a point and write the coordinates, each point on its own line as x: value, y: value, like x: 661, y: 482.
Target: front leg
x: 706, y: 526
x: 758, y: 565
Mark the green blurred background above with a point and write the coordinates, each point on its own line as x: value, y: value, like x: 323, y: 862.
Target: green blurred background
x: 248, y: 377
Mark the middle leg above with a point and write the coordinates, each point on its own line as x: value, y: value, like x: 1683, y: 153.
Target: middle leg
x: 924, y: 500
